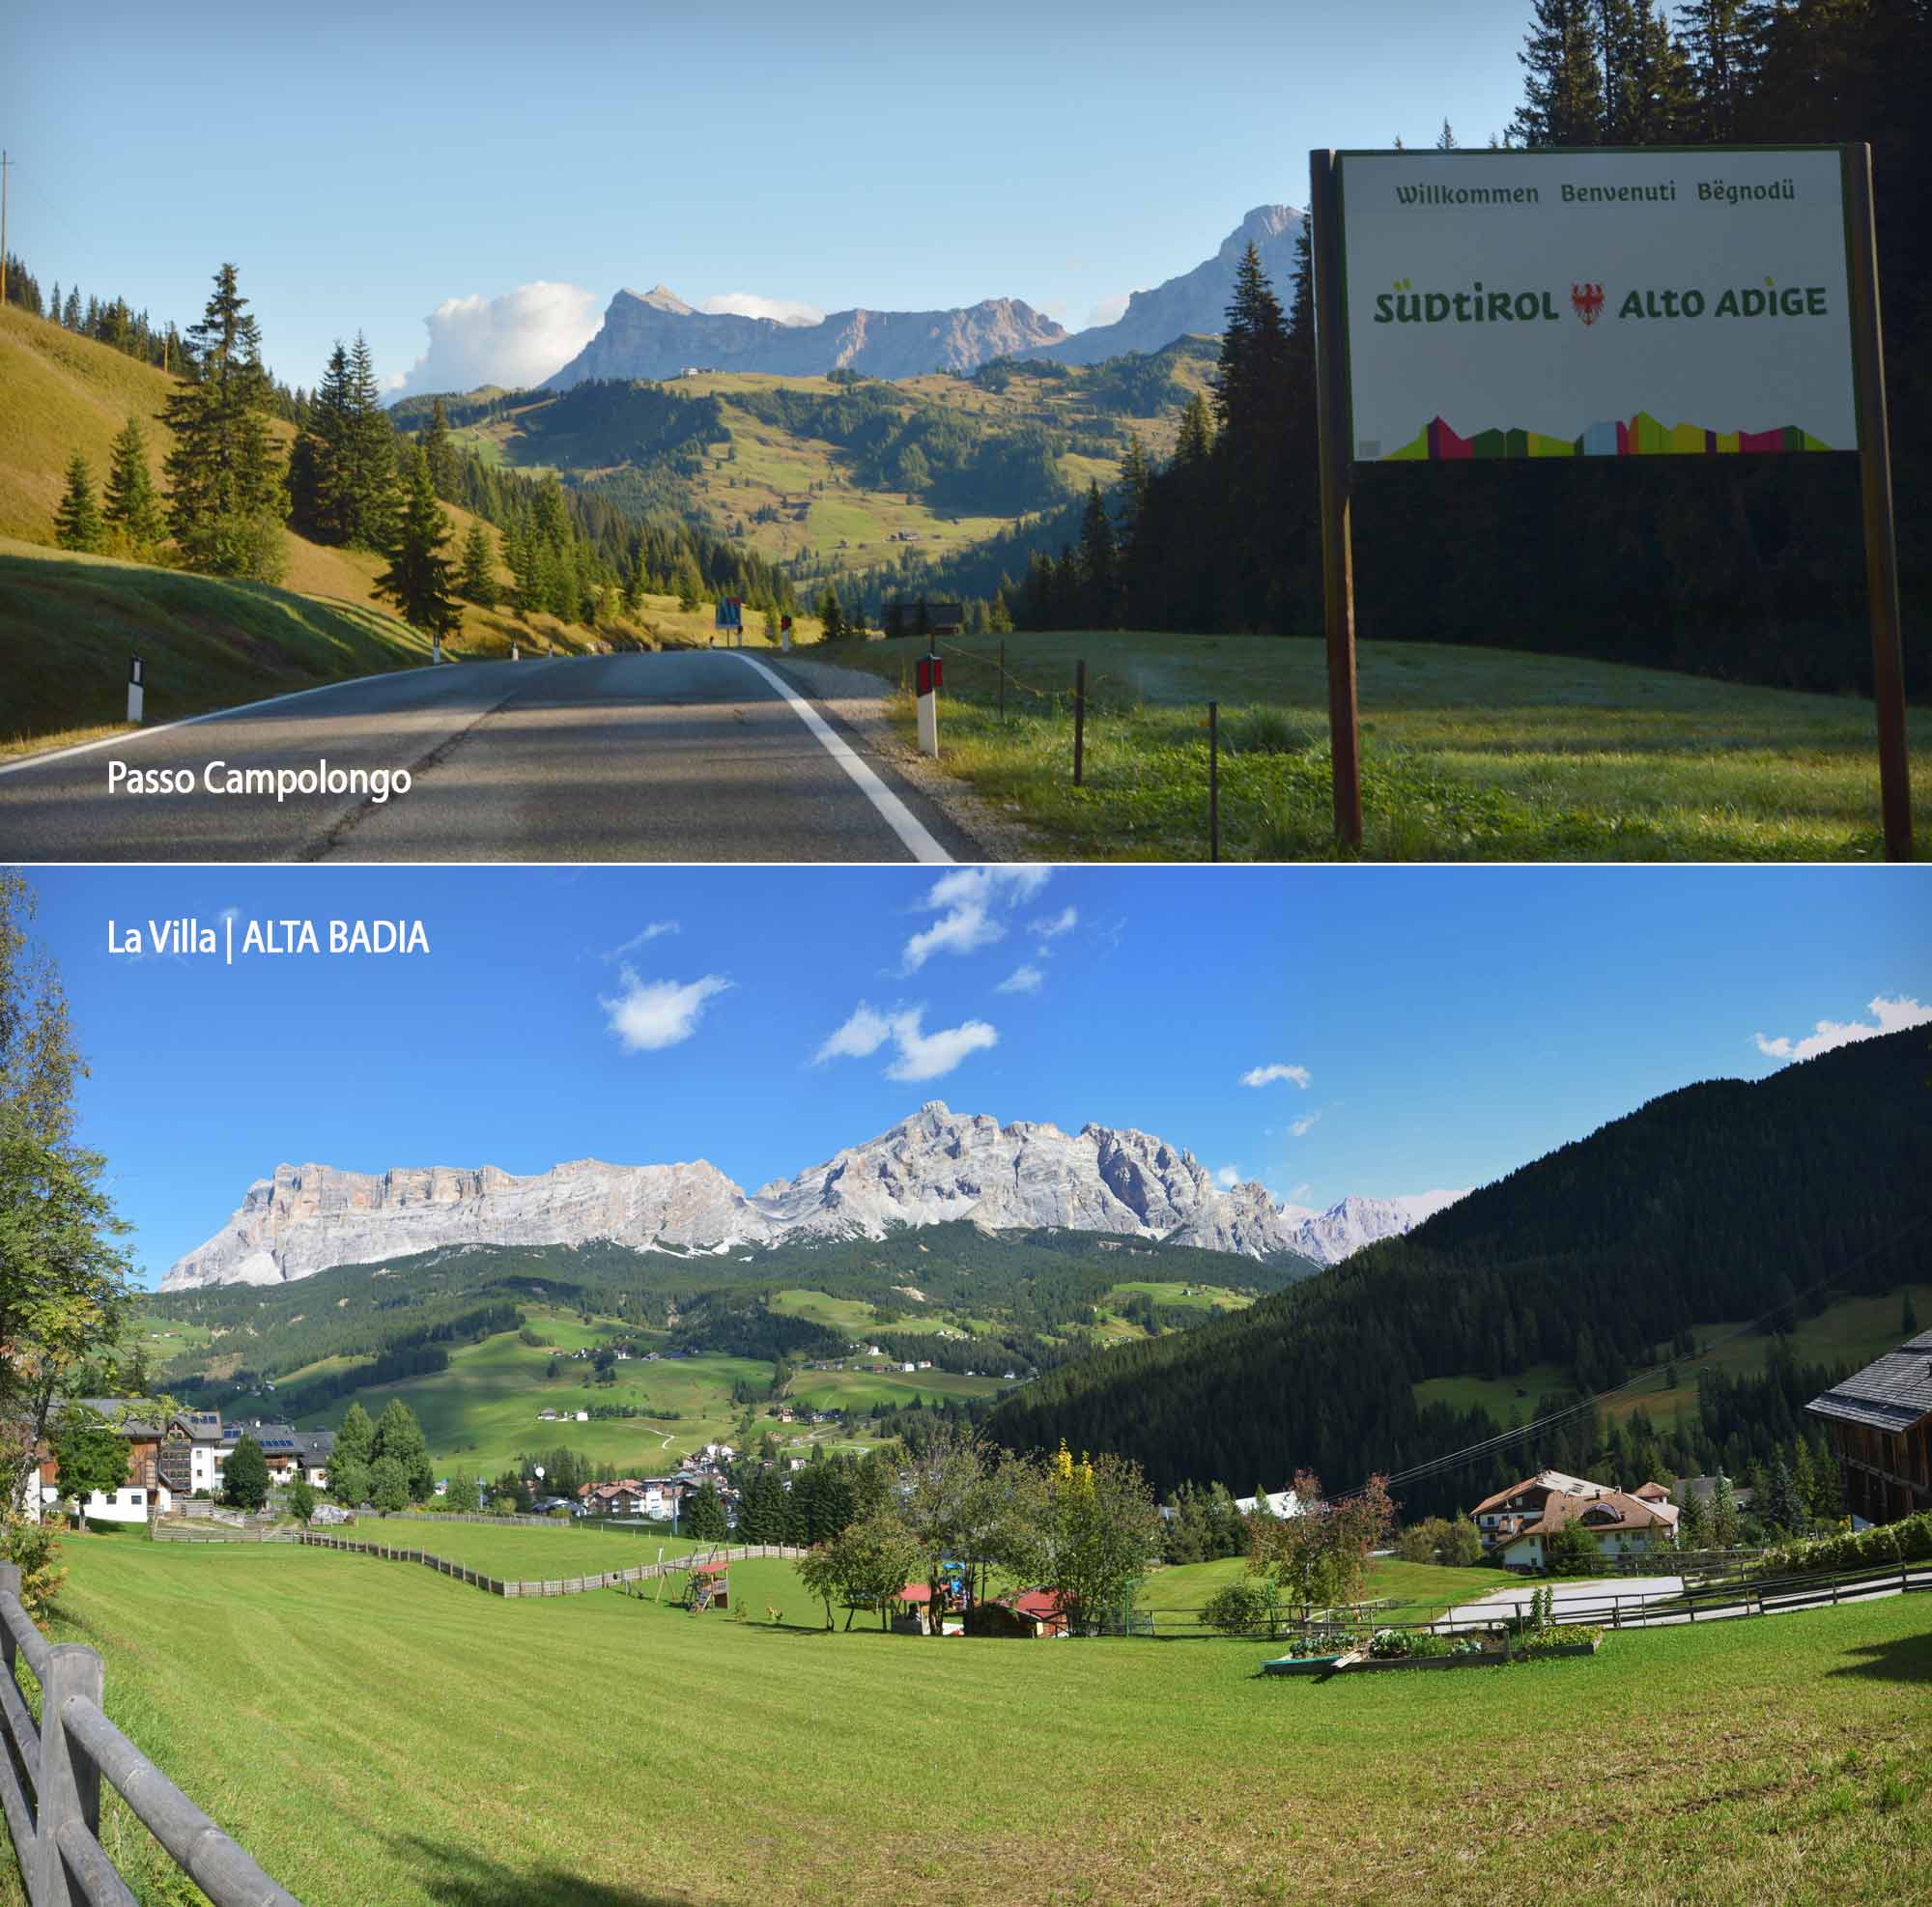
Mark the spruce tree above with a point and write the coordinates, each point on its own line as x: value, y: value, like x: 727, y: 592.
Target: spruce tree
x: 226, y: 502
x: 132, y: 507
x: 77, y: 524
x: 1563, y: 83
x: 1619, y: 37
x: 1197, y: 432
x: 831, y: 616
x: 441, y: 452
x: 1724, y: 42
x: 417, y: 579
x: 478, y: 581
x: 373, y: 463
x: 1099, y: 564
x: 1659, y: 106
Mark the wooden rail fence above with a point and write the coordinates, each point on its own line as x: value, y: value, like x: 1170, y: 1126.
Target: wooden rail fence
x: 560, y: 1585
x: 50, y: 1784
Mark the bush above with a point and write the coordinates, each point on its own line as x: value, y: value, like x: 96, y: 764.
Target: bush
x: 1448, y: 1540
x: 34, y: 1549
x: 1909, y: 1541
x: 1241, y: 1608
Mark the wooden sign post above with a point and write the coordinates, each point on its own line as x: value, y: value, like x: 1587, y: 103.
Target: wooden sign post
x: 1733, y: 291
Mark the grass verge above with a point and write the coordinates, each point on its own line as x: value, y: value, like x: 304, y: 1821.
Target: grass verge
x: 1468, y: 754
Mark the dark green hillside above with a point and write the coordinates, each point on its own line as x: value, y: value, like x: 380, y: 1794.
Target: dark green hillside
x: 1724, y: 1200
x: 1029, y: 1299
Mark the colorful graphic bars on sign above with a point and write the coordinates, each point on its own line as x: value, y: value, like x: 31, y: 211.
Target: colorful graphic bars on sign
x: 1565, y: 305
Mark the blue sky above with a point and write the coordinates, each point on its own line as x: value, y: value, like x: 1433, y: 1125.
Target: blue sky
x: 366, y: 165
x: 1450, y: 1023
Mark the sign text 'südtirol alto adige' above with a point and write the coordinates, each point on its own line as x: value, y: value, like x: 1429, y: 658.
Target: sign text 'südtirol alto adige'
x: 1596, y: 304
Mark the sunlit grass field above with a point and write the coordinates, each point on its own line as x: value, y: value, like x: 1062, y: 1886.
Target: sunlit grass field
x: 1468, y: 753
x: 373, y: 1733
x: 516, y: 1552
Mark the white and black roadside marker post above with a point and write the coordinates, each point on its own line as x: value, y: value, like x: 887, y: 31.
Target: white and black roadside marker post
x: 435, y: 647
x: 932, y: 674
x: 137, y: 690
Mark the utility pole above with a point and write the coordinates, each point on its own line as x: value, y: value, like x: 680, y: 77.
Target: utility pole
x: 5, y: 163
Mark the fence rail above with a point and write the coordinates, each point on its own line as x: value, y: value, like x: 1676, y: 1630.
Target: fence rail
x: 50, y: 1777
x: 562, y: 1585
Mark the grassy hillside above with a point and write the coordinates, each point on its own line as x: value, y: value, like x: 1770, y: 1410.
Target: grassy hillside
x: 67, y: 623
x: 1850, y: 1332
x: 787, y: 487
x: 446, y: 1742
x: 1468, y: 753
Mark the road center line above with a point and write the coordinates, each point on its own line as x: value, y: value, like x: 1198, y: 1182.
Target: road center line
x: 896, y: 814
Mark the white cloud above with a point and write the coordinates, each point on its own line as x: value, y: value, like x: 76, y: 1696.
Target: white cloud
x: 921, y: 1055
x: 748, y: 304
x: 649, y: 1015
x: 1268, y: 1075
x: 1888, y: 1015
x: 1050, y: 927
x: 932, y: 1055
x: 1228, y: 1177
x: 964, y: 900
x: 1024, y: 979
x: 516, y: 340
x: 1109, y: 310
x: 654, y: 931
x: 865, y: 1032
x: 1300, y: 1129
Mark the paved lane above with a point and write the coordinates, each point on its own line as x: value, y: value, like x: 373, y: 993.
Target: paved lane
x: 694, y: 755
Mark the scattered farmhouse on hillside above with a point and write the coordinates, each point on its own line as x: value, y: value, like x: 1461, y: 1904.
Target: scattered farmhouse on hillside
x: 185, y: 1457
x: 1879, y: 1421
x: 1515, y: 1524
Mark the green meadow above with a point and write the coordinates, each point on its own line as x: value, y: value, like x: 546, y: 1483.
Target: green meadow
x: 516, y: 1552
x: 373, y: 1733
x: 1468, y: 754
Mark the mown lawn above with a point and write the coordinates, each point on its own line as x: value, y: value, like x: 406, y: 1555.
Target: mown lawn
x: 376, y: 1733
x: 1418, y: 1592
x: 1468, y: 753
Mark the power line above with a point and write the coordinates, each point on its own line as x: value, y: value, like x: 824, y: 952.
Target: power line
x: 1477, y: 1452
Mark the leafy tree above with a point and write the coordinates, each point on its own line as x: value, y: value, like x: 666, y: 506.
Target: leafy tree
x: 389, y: 1484
x: 302, y: 1500
x: 417, y: 579
x: 225, y: 501
x: 1319, y: 1557
x: 941, y: 1498
x: 1102, y: 1531
x: 1572, y: 1551
x: 348, y: 1479
x: 90, y: 1455
x: 77, y: 524
x: 399, y: 1438
x: 133, y: 507
x: 356, y: 1438
x: 865, y: 1567
x: 478, y: 580
x: 63, y: 1280
x: 705, y: 1514
x: 245, y: 1477
x: 31, y: 1545
x: 463, y: 1494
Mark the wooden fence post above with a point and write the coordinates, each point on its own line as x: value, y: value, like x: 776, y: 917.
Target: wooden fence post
x: 67, y: 1789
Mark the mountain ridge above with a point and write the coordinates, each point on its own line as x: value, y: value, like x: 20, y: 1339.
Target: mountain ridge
x: 930, y: 1168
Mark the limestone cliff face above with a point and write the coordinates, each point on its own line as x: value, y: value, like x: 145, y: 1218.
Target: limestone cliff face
x: 655, y: 334
x: 308, y: 1217
x: 933, y: 1167
x: 1196, y: 301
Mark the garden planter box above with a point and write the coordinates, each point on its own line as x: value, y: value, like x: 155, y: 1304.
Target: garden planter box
x: 1486, y: 1659
x: 1300, y: 1665
x: 1565, y: 1649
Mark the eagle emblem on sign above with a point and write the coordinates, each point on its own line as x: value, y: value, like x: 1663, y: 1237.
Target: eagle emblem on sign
x: 1588, y: 300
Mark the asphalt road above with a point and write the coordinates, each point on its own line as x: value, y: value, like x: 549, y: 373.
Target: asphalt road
x: 685, y: 756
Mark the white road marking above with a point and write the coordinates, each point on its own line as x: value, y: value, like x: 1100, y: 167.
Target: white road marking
x: 897, y: 816
x: 184, y: 721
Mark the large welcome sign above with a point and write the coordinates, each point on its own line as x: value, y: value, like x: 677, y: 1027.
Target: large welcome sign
x: 1701, y: 301
x: 1596, y: 303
